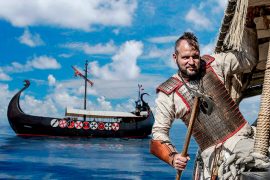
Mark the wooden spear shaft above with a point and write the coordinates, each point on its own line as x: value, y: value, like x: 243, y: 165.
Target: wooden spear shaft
x: 194, y: 113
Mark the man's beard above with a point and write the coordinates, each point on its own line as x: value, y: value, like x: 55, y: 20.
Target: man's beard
x: 186, y: 73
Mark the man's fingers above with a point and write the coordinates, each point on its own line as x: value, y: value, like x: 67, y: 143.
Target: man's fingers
x: 180, y: 162
x: 182, y: 159
x: 180, y: 167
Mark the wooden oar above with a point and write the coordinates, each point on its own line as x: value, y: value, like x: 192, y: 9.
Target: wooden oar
x: 194, y: 112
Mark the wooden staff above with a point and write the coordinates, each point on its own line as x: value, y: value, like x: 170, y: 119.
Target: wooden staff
x: 194, y: 113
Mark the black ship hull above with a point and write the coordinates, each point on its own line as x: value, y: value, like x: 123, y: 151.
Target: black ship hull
x: 24, y: 124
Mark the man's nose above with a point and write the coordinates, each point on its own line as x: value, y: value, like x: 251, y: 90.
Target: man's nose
x: 191, y: 60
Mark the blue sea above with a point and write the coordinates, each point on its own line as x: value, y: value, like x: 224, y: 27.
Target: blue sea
x: 86, y: 158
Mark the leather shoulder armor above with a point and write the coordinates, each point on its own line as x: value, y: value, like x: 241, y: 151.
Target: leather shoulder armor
x: 169, y: 86
x: 208, y: 59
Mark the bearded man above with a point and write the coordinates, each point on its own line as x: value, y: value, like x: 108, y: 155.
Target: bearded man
x: 220, y: 131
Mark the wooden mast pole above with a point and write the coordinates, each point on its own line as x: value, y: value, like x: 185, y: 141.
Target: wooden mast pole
x: 85, y: 87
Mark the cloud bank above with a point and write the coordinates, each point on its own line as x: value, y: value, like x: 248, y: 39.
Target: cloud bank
x: 79, y: 14
x: 123, y: 65
x: 39, y: 62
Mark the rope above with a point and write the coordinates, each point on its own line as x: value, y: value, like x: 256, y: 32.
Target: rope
x: 263, y: 123
x: 235, y: 164
x: 234, y: 37
x: 228, y: 15
x: 231, y: 31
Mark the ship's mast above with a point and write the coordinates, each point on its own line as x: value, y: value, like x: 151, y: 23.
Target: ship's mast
x: 78, y: 73
x: 139, y: 93
x: 85, y: 87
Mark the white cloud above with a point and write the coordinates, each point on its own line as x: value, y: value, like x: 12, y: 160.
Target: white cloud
x: 65, y: 55
x: 16, y: 67
x: 64, y: 99
x: 104, y: 105
x: 163, y: 39
x: 123, y: 65
x: 45, y: 108
x: 31, y: 40
x: 51, y: 80
x: 44, y: 62
x: 5, y: 96
x: 4, y: 76
x: 198, y: 19
x: 81, y: 88
x: 165, y: 55
x: 221, y: 3
x: 40, y: 62
x: 213, y: 6
x: 155, y: 52
x: 79, y: 14
x: 107, y: 48
x: 149, y: 8
x: 127, y: 106
x: 118, y: 89
x: 116, y: 31
x: 208, y: 48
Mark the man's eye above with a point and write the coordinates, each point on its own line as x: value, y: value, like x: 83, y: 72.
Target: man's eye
x: 196, y: 57
x: 185, y: 57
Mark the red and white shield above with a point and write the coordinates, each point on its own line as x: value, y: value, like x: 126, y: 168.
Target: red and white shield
x: 108, y: 126
x: 86, y: 125
x: 62, y: 123
x: 78, y: 124
x: 115, y: 126
x: 70, y: 124
x: 101, y: 126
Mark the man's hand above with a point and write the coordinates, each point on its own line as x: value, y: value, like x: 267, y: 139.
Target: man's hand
x: 180, y: 162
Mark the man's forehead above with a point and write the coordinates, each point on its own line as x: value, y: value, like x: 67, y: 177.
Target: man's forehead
x: 188, y: 51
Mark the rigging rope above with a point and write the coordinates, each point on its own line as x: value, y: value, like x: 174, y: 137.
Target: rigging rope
x: 263, y: 123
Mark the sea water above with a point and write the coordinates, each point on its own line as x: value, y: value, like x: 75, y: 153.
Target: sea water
x: 86, y: 158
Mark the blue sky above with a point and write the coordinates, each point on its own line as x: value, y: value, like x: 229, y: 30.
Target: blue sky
x: 126, y: 43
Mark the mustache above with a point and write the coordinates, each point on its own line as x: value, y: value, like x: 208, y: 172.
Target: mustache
x: 192, y: 66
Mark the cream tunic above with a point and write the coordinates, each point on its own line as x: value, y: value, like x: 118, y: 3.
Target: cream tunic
x: 171, y: 107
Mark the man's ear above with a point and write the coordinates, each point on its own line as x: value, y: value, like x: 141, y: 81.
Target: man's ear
x: 174, y: 57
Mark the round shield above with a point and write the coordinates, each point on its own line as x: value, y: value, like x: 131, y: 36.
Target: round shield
x: 108, y: 126
x: 101, y: 126
x: 54, y: 123
x: 115, y: 126
x: 70, y: 124
x: 78, y: 124
x: 86, y: 125
x: 62, y: 123
x: 93, y: 125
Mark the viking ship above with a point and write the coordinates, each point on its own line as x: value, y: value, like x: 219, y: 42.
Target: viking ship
x: 82, y: 122
x: 247, y: 21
